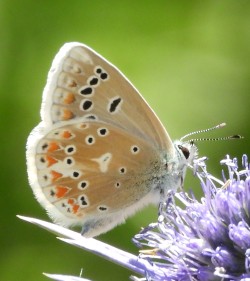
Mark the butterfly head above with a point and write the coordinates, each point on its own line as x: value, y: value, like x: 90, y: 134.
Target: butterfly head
x: 186, y: 151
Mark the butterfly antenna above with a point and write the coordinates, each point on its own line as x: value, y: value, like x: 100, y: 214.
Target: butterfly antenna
x: 218, y: 139
x: 210, y: 139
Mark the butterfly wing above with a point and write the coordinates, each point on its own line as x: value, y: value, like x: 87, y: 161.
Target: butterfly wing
x: 82, y: 83
x: 92, y: 172
x: 97, y: 155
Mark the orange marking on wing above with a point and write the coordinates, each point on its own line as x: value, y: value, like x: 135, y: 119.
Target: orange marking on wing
x: 61, y: 191
x: 51, y: 161
x: 75, y: 208
x: 71, y: 201
x: 67, y: 114
x: 70, y: 98
x: 55, y: 175
x: 66, y: 134
x: 53, y: 146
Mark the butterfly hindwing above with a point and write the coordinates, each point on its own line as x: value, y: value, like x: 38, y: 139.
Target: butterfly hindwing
x: 85, y: 167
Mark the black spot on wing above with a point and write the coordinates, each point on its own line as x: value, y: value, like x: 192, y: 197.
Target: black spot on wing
x: 114, y: 104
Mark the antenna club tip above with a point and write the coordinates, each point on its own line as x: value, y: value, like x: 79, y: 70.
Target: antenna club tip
x: 221, y: 125
x: 237, y: 137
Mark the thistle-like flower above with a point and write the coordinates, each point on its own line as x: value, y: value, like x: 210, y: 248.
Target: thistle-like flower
x: 207, y: 239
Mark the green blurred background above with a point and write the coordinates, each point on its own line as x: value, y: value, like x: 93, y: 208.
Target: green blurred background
x: 189, y: 59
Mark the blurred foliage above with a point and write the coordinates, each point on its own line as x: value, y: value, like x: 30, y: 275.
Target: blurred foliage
x: 189, y: 59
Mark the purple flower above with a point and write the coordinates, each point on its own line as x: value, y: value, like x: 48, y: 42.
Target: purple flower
x: 206, y: 239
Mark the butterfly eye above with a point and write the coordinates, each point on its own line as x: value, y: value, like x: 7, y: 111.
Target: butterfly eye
x: 184, y: 150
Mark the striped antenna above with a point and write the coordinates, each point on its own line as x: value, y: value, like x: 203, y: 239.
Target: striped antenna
x: 210, y: 139
x: 218, y: 139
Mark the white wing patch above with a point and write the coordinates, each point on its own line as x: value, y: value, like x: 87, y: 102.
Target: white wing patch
x: 103, y: 161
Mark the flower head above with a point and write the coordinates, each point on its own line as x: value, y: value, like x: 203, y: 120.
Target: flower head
x: 207, y: 239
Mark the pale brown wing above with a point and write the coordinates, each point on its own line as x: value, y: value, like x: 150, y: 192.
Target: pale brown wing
x: 80, y: 170
x: 82, y: 83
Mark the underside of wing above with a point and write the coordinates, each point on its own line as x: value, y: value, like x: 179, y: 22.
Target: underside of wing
x: 81, y: 83
x: 84, y: 169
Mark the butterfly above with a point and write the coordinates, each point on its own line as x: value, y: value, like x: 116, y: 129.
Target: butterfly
x: 100, y: 152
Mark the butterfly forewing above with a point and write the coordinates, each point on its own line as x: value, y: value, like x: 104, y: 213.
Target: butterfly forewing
x: 81, y: 83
